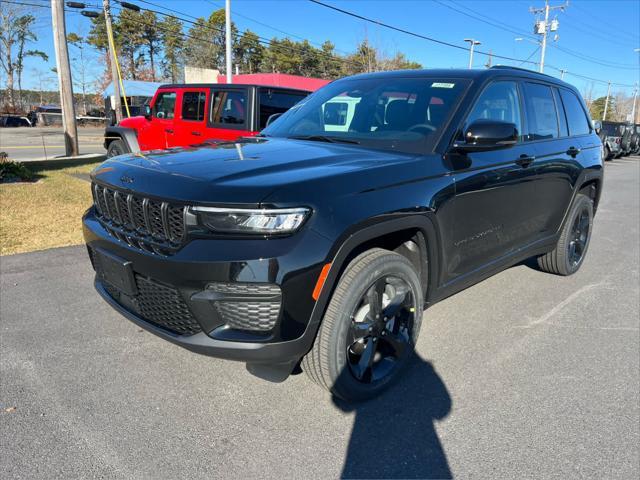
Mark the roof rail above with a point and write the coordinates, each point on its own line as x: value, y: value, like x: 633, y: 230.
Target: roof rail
x: 509, y: 67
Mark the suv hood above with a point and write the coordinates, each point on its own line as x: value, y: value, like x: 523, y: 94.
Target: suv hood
x: 241, y: 172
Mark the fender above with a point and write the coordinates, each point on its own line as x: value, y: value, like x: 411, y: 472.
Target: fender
x: 127, y: 135
x: 350, y: 241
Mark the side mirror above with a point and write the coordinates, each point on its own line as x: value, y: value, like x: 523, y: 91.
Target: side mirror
x: 147, y: 112
x: 597, y: 126
x: 487, y: 135
x: 272, y: 118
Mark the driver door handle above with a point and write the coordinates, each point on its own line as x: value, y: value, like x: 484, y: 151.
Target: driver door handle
x: 168, y: 130
x: 525, y: 160
x: 197, y: 134
x: 573, y: 151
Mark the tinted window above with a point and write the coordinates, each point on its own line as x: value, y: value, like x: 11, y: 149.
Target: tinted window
x: 403, y: 114
x: 335, y: 113
x: 193, y: 105
x: 272, y: 102
x: 541, y: 112
x: 165, y: 105
x: 229, y: 107
x: 578, y: 123
x: 562, y: 118
x: 499, y: 101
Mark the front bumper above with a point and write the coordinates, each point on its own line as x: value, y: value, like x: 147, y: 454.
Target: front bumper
x: 292, y: 263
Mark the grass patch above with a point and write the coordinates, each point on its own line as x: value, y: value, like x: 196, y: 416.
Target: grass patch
x: 47, y: 213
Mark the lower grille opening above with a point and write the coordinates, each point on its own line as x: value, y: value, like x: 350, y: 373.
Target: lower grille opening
x: 158, y: 304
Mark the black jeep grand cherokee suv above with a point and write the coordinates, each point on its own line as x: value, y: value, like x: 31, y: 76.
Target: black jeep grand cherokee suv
x: 319, y: 243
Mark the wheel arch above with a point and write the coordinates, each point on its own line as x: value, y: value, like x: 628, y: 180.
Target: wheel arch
x: 127, y: 135
x: 413, y: 236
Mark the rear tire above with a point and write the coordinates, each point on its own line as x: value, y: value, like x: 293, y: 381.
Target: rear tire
x: 607, y: 154
x: 360, y: 350
x: 573, y: 243
x: 116, y: 147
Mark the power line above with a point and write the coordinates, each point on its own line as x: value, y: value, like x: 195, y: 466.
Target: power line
x: 267, y: 42
x: 414, y: 34
x: 493, y: 23
x: 288, y: 34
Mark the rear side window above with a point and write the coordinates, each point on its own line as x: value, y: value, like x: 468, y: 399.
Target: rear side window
x: 165, y: 105
x: 229, y: 107
x: 272, y: 102
x: 193, y: 104
x: 499, y: 101
x: 541, y: 112
x: 578, y: 122
x: 562, y: 117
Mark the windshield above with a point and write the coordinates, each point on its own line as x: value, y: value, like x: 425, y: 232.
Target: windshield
x: 400, y: 114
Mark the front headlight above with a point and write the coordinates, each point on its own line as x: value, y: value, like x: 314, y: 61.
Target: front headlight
x: 248, y: 221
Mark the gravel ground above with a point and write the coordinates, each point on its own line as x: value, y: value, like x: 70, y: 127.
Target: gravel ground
x: 523, y: 375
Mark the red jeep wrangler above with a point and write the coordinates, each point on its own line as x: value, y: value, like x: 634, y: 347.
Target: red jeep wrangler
x: 183, y: 115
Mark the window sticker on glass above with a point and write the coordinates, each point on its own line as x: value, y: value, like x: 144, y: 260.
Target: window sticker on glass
x: 442, y: 85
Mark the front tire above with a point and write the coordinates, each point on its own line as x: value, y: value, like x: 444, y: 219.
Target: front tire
x: 572, y: 246
x: 116, y: 147
x: 370, y: 328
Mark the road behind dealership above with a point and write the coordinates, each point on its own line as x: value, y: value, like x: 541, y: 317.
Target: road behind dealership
x: 26, y: 144
x: 524, y: 375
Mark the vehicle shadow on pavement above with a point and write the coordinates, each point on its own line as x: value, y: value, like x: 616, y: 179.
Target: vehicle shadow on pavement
x: 394, y: 435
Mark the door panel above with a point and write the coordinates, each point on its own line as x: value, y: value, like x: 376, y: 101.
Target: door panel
x: 229, y: 115
x: 495, y: 190
x: 162, y: 119
x: 493, y: 208
x: 191, y: 128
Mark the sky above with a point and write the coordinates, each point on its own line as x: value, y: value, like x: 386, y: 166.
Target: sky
x: 596, y: 38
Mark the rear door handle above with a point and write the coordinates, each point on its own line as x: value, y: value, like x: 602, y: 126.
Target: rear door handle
x: 573, y: 151
x: 197, y: 134
x: 168, y: 130
x: 525, y: 160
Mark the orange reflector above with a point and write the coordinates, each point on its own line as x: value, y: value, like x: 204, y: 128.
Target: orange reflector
x: 320, y: 283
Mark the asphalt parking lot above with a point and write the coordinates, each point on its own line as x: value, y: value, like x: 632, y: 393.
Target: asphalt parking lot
x: 523, y: 375
x: 26, y: 144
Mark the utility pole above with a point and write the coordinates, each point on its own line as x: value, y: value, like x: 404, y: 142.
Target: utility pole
x: 117, y: 104
x: 606, y: 103
x: 472, y: 43
x: 64, y: 79
x: 633, y: 108
x: 562, y: 72
x: 227, y: 21
x: 543, y: 27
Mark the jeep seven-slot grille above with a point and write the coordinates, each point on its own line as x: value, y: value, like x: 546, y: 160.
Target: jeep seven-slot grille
x: 150, y: 225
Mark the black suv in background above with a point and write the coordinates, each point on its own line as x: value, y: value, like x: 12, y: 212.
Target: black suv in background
x: 318, y: 243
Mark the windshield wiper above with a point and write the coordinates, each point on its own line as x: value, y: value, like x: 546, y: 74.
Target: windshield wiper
x: 324, y: 138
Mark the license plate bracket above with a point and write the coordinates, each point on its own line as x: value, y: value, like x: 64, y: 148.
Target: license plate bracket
x: 116, y: 271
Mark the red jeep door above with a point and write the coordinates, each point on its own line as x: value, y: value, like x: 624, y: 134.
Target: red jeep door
x: 190, y: 127
x: 162, y: 119
x: 229, y: 116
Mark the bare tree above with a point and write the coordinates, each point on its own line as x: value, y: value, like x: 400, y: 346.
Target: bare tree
x: 16, y: 31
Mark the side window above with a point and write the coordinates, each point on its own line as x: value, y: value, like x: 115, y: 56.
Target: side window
x: 229, y: 107
x: 193, y: 104
x: 541, y: 112
x: 335, y: 113
x: 498, y: 101
x: 165, y: 105
x: 578, y: 122
x: 562, y: 117
x: 272, y: 102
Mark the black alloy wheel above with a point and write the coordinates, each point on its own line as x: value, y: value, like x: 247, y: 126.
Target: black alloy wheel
x: 381, y: 329
x: 579, y: 237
